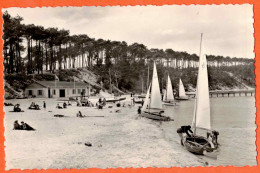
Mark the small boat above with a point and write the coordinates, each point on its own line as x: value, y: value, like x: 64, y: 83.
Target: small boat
x: 138, y: 100
x: 182, y: 94
x: 122, y: 98
x: 155, y: 116
x: 198, y: 144
x: 168, y: 98
x: 152, y: 107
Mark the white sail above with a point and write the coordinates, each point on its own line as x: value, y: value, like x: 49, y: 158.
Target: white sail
x: 201, y: 118
x: 147, y: 99
x: 169, y: 92
x: 156, y: 100
x: 164, y: 95
x: 181, y: 89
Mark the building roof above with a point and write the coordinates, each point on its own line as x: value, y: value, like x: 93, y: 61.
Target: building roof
x: 59, y: 84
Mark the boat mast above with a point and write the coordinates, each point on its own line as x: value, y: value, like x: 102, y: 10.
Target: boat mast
x: 110, y: 82
x: 197, y: 89
x: 166, y: 88
x: 149, y: 97
x: 148, y: 75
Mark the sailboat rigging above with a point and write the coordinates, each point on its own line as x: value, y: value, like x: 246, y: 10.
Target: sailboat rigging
x: 168, y: 97
x: 201, y: 119
x: 152, y: 107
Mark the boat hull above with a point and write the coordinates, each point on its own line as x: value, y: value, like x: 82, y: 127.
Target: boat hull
x: 198, y: 145
x: 113, y: 100
x: 155, y: 116
x: 169, y: 103
x: 138, y: 102
x: 182, y: 98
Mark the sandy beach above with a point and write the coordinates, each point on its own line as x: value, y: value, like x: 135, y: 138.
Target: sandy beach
x: 118, y: 139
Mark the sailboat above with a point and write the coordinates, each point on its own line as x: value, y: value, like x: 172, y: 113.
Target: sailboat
x: 168, y: 98
x: 152, y: 107
x: 199, y: 144
x: 182, y: 94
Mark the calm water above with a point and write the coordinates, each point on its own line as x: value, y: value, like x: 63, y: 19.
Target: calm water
x: 123, y: 140
x: 233, y: 117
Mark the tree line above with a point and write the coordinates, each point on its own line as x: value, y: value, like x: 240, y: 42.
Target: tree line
x: 35, y: 49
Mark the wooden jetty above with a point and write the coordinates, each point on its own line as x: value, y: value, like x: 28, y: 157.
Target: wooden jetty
x: 226, y: 93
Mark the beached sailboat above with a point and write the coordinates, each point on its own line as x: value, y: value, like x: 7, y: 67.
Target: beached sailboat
x: 182, y: 94
x: 152, y: 107
x: 168, y: 98
x: 199, y: 144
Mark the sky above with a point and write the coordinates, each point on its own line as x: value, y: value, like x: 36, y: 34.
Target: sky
x: 227, y: 29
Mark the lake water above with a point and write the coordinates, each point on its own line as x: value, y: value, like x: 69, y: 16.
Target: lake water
x: 124, y: 140
x: 234, y: 118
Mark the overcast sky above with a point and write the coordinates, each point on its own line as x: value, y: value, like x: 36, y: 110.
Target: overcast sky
x: 227, y: 29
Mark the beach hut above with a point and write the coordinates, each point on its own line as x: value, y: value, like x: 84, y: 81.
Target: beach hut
x: 57, y: 89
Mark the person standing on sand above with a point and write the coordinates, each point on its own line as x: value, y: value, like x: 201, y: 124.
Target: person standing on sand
x: 139, y: 110
x: 44, y: 105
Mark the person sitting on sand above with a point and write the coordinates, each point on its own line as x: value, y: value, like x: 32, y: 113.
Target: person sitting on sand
x: 17, y: 108
x: 32, y: 105
x: 58, y: 106
x: 17, y: 126
x: 69, y: 104
x: 37, y: 107
x: 25, y: 126
x: 79, y: 114
x: 64, y: 105
x: 104, y: 101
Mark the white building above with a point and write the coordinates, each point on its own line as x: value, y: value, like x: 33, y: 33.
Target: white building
x: 57, y: 89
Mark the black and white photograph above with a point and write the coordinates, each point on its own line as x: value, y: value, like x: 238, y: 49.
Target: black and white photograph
x: 129, y: 86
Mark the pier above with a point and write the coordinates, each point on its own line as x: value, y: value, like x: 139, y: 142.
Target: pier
x: 226, y: 93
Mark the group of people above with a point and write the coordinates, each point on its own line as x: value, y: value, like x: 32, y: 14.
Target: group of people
x: 22, y: 126
x: 17, y: 108
x: 79, y: 114
x: 187, y: 130
x: 101, y: 103
x: 34, y: 106
x: 87, y: 103
x: 64, y: 106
